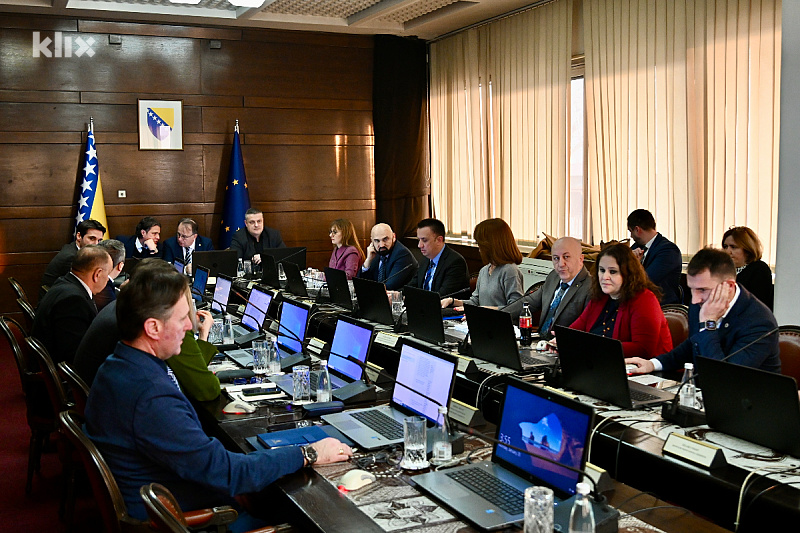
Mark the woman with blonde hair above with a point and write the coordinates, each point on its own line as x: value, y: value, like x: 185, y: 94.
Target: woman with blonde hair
x: 347, y: 253
x: 500, y: 280
x: 744, y: 247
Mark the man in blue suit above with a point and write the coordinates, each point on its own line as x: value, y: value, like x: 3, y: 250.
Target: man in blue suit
x: 724, y: 320
x: 388, y: 261
x: 185, y: 243
x: 660, y: 257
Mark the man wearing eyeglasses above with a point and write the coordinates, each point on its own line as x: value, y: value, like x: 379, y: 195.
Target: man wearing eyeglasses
x: 185, y: 243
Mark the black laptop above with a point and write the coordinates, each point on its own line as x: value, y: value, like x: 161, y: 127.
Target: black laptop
x: 292, y: 327
x: 338, y: 288
x: 199, y: 283
x: 754, y: 405
x: 490, y: 493
x: 424, y: 316
x: 296, y: 255
x: 294, y: 280
x: 373, y: 302
x: 222, y: 292
x: 217, y: 262
x: 595, y: 365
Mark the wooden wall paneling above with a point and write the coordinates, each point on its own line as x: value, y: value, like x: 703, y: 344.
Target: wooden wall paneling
x: 318, y: 39
x: 39, y: 96
x: 309, y: 139
x: 39, y: 137
x: 289, y: 121
x: 158, y: 30
x: 200, y: 100
x: 39, y: 174
x: 308, y: 103
x: 34, y: 234
x: 27, y: 116
x: 37, y: 22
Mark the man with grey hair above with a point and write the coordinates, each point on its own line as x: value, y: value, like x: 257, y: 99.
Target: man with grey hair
x: 116, y: 249
x: 565, y: 292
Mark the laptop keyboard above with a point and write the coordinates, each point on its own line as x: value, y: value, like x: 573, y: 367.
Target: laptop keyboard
x: 487, y: 486
x: 527, y: 359
x: 383, y: 424
x: 642, y: 396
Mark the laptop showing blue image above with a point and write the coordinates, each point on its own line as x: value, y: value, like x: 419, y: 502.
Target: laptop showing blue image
x: 222, y: 291
x: 544, y: 423
x: 292, y: 327
x: 179, y: 265
x: 199, y: 283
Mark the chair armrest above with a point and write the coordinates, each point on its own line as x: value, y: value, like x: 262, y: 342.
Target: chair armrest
x: 211, y: 517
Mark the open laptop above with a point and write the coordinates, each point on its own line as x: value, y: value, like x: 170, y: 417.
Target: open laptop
x: 199, y: 283
x: 493, y: 339
x: 338, y: 288
x: 292, y: 327
x: 180, y: 266
x: 296, y: 255
x: 490, y: 493
x: 595, y: 365
x: 249, y: 328
x: 425, y: 317
x: 216, y: 261
x: 754, y: 405
x: 373, y: 302
x: 222, y: 292
x: 422, y: 368
x: 294, y: 280
x: 269, y: 272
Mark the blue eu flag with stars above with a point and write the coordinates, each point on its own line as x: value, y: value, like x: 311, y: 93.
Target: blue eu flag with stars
x: 237, y: 198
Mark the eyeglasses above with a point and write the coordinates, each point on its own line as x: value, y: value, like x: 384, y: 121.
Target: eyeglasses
x: 184, y: 237
x: 333, y: 232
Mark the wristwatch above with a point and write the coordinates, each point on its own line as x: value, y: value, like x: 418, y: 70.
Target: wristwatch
x: 309, y: 454
x: 710, y: 325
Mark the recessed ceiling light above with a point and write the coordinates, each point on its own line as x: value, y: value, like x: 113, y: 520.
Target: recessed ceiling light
x: 191, y: 2
x: 246, y: 3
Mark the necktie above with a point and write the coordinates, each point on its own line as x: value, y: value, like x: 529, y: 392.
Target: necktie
x: 171, y: 375
x: 551, y: 313
x: 382, y: 270
x: 187, y: 253
x: 644, y: 253
x: 429, y: 276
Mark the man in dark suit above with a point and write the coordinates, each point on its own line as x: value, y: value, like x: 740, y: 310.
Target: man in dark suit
x: 442, y: 269
x: 565, y: 292
x: 144, y: 242
x: 183, y: 246
x: 117, y: 252
x: 67, y: 310
x: 723, y: 319
x: 388, y: 261
x: 251, y: 240
x: 660, y: 257
x: 87, y: 232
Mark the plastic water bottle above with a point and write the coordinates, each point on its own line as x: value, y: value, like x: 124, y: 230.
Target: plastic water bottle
x: 442, y: 447
x: 324, y: 383
x: 240, y: 269
x: 525, y: 325
x: 581, y: 518
x: 689, y: 389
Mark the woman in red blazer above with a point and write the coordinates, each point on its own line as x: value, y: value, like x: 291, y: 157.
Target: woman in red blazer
x: 624, y: 305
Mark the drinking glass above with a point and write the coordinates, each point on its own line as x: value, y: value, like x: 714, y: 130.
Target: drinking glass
x: 273, y: 359
x: 260, y: 358
x: 415, y: 443
x: 227, y: 330
x: 301, y: 385
x: 538, y: 510
x: 397, y: 302
x: 248, y: 268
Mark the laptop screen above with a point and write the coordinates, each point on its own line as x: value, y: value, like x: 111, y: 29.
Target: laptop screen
x: 546, y: 428
x: 256, y: 309
x: 349, y: 339
x: 292, y: 330
x: 199, y: 284
x: 179, y: 265
x: 222, y: 291
x: 424, y: 372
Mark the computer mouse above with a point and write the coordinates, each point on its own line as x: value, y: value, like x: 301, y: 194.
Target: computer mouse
x: 355, y: 479
x: 238, y: 407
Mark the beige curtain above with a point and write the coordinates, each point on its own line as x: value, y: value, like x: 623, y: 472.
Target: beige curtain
x: 500, y: 123
x: 682, y: 117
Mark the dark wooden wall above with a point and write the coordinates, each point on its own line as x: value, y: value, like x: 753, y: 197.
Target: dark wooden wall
x: 303, y: 100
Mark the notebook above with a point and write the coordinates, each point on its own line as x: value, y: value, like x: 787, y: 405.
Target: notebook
x: 493, y: 339
x: 338, y: 288
x: 294, y: 280
x: 490, y: 493
x: 373, y: 302
x: 751, y: 404
x: 199, y: 283
x: 216, y: 261
x: 425, y: 317
x: 595, y: 365
x: 292, y: 327
x: 422, y: 368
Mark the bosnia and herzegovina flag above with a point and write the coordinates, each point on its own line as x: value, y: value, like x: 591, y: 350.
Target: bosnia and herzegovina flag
x: 160, y: 121
x: 90, y: 201
x: 237, y: 198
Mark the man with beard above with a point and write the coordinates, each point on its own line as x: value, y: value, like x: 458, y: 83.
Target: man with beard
x: 388, y: 261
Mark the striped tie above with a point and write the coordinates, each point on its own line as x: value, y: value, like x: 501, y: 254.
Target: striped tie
x: 187, y: 253
x: 171, y: 375
x: 429, y: 276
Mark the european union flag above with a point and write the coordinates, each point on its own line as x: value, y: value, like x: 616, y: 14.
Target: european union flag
x: 90, y: 202
x: 237, y: 198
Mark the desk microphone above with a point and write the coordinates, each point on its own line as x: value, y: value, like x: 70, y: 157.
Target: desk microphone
x: 397, y: 273
x: 530, y: 291
x: 689, y: 416
x: 293, y: 254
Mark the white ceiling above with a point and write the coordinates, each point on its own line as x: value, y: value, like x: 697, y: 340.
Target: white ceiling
x: 426, y: 19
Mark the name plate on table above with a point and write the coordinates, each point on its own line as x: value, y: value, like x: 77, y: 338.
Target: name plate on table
x: 466, y: 414
x: 377, y: 374
x: 692, y: 450
x: 387, y: 339
x: 466, y: 365
x: 315, y: 346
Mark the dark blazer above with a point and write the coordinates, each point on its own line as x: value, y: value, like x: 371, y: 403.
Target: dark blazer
x: 663, y: 266
x: 63, y: 316
x: 747, y: 320
x: 570, y: 308
x: 399, y: 258
x: 245, y: 244
x: 59, y: 266
x: 170, y: 250
x: 106, y: 296
x: 451, y: 276
x: 640, y: 324
x: 97, y: 344
x: 131, y: 251
x: 757, y: 279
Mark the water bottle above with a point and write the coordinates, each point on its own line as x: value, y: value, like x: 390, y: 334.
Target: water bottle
x: 324, y: 383
x: 688, y: 388
x: 442, y: 447
x: 525, y: 325
x: 240, y: 269
x: 581, y: 518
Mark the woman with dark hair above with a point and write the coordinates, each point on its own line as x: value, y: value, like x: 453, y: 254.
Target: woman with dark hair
x: 744, y: 247
x: 624, y: 305
x: 500, y: 280
x: 347, y: 253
